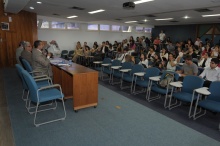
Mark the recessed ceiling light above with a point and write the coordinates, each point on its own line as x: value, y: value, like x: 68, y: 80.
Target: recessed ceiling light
x: 31, y: 8
x: 145, y: 20
x: 212, y: 15
x: 96, y: 11
x: 72, y: 16
x: 39, y: 2
x: 186, y: 17
x: 164, y: 19
x: 130, y: 21
x: 142, y: 1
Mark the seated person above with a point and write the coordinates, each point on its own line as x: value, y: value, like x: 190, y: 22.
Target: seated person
x: 171, y: 64
x: 26, y: 53
x: 205, y: 60
x: 78, y: 52
x: 54, y: 48
x: 188, y: 68
x: 211, y: 73
x: 143, y: 60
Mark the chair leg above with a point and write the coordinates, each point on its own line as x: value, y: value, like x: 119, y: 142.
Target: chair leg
x: 36, y: 111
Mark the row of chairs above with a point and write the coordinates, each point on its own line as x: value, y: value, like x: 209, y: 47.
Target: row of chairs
x: 65, y: 54
x: 40, y: 91
x: 175, y: 93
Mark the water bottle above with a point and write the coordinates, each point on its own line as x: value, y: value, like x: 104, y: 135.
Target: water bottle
x: 70, y: 62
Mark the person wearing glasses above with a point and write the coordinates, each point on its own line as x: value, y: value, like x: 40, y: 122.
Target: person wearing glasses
x: 211, y: 73
x: 26, y: 53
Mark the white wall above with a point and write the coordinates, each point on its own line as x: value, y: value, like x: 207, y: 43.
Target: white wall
x: 67, y: 39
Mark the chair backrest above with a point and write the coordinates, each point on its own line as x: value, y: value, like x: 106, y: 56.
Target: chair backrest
x: 127, y: 65
x: 71, y: 53
x: 215, y: 92
x: 64, y: 52
x: 32, y: 86
x: 191, y: 82
x: 27, y: 65
x: 20, y: 69
x: 116, y: 63
x: 137, y: 68
x: 137, y: 60
x: 20, y: 59
x: 107, y: 60
x: 150, y: 72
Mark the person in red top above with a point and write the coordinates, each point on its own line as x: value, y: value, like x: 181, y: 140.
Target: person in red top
x: 157, y: 41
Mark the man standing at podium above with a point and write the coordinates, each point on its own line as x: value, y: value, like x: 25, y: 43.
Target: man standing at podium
x: 41, y: 62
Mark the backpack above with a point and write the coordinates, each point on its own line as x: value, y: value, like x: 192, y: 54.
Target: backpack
x: 168, y: 78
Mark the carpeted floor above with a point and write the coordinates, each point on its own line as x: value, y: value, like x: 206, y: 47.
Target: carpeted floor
x: 116, y: 121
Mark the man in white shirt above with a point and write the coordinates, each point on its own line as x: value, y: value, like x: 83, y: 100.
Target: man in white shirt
x: 197, y: 41
x: 54, y: 48
x: 211, y: 73
x: 162, y: 36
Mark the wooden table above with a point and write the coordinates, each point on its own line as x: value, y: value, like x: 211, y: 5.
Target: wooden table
x: 79, y: 83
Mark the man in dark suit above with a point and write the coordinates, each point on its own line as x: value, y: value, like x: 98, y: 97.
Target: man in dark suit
x: 41, y: 62
x: 26, y: 53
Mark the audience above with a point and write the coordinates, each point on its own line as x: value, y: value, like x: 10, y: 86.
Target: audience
x: 26, y: 53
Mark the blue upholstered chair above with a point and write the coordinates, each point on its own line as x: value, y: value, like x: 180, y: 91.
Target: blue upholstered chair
x: 149, y: 72
x: 28, y: 67
x: 107, y: 69
x: 117, y: 73
x: 128, y: 75
x: 190, y: 83
x: 43, y: 94
x: 210, y: 102
x: 39, y: 81
x: 156, y: 88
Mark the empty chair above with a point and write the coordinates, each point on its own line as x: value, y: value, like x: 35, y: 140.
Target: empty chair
x: 40, y: 83
x: 117, y: 73
x: 149, y: 72
x: 210, y: 102
x: 190, y: 83
x: 108, y: 69
x: 70, y: 55
x: 43, y: 94
x: 64, y: 54
x: 128, y: 75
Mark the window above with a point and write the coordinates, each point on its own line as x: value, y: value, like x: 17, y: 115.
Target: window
x: 93, y: 27
x: 74, y: 26
x: 139, y: 29
x: 57, y: 25
x: 104, y: 27
x: 147, y: 30
x: 126, y: 28
x: 45, y: 24
x: 116, y: 28
x: 37, y: 22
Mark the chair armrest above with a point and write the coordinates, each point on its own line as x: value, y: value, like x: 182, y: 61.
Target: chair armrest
x: 155, y: 78
x: 50, y: 86
x: 42, y: 76
x: 140, y: 74
x: 203, y: 91
x: 176, y: 84
x: 125, y: 70
x: 107, y: 64
x: 43, y: 79
x: 116, y: 67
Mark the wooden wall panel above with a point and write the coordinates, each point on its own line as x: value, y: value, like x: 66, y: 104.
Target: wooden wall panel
x: 22, y: 27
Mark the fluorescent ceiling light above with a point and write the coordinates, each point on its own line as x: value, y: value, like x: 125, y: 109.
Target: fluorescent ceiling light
x: 130, y: 21
x: 212, y: 15
x: 31, y: 8
x: 72, y: 17
x: 96, y: 11
x: 145, y: 20
x: 164, y: 19
x: 186, y: 17
x: 39, y: 2
x: 142, y: 1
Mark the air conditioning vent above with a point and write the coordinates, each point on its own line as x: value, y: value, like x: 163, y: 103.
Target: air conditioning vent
x: 77, y: 8
x: 174, y: 21
x: 118, y: 19
x: 203, y: 10
x: 56, y: 14
x: 150, y: 15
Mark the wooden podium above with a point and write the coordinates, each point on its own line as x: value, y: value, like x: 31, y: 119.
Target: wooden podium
x: 79, y: 83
